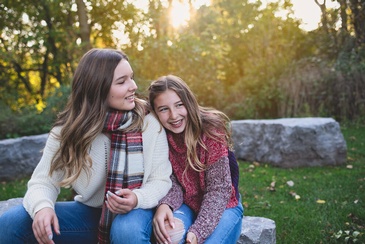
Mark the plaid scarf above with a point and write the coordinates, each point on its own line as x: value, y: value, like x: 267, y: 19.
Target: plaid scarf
x: 125, y: 167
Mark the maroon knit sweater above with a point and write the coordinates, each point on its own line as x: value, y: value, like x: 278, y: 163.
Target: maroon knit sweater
x: 207, y: 193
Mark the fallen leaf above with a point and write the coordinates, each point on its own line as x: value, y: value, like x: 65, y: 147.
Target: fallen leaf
x: 290, y: 183
x: 257, y: 164
x: 349, y: 166
x: 292, y: 193
x: 245, y: 204
x: 321, y: 201
x: 356, y: 201
x: 272, y: 186
x: 297, y: 197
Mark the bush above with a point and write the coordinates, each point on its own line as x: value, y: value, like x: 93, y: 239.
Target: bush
x: 29, y: 121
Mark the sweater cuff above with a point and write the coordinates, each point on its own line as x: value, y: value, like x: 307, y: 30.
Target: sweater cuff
x: 199, y: 238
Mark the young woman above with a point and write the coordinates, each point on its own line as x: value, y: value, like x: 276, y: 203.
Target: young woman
x: 109, y: 151
x: 203, y: 204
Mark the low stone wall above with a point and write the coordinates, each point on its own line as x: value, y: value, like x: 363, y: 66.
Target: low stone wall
x: 19, y: 156
x: 288, y: 142
x: 255, y: 230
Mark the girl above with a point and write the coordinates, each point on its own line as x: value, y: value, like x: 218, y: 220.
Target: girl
x: 203, y: 204
x: 113, y: 155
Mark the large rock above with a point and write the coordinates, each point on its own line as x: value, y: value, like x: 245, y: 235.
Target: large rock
x: 290, y: 142
x: 254, y: 229
x: 5, y: 205
x: 257, y: 230
x: 20, y: 156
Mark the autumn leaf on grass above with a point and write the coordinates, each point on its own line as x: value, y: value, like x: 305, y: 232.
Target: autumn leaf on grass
x: 272, y: 186
x: 349, y: 166
x: 350, y: 159
x: 321, y: 201
x: 290, y: 183
x: 245, y: 204
x: 296, y: 196
x: 352, y: 138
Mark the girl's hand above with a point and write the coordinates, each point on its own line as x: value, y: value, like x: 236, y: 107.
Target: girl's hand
x: 42, y: 225
x: 163, y: 213
x: 191, y: 238
x: 122, y: 201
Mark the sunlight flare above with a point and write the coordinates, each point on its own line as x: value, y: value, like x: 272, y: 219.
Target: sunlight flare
x: 180, y: 14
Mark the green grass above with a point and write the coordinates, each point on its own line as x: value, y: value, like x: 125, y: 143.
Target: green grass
x: 332, y: 199
x: 17, y: 188
x: 329, y: 199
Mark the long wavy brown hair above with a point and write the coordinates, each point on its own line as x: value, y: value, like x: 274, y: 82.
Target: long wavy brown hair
x: 84, y: 115
x: 201, y: 120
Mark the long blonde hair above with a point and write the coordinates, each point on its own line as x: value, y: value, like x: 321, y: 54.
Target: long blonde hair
x: 84, y: 115
x: 201, y: 120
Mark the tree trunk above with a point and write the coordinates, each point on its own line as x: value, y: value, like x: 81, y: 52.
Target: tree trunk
x: 84, y: 25
x: 343, y: 14
x: 358, y: 18
x: 324, y: 19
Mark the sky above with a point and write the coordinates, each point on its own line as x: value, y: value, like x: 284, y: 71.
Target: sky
x: 309, y: 12
x: 306, y: 10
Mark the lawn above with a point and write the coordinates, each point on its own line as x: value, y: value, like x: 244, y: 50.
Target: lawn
x: 309, y: 205
x: 314, y: 204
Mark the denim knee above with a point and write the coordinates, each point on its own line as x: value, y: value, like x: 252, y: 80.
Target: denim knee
x: 134, y: 227
x: 18, y: 226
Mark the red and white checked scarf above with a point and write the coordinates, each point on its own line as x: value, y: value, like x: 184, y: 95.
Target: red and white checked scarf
x: 125, y: 167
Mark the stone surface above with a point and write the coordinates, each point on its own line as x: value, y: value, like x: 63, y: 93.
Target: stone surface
x: 290, y: 142
x: 5, y: 205
x: 20, y: 156
x: 257, y: 230
x: 254, y: 229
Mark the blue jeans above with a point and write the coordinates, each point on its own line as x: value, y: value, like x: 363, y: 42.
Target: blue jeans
x: 78, y: 224
x: 227, y: 231
x: 133, y: 227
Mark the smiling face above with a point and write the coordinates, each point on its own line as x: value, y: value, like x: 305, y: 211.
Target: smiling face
x: 171, y: 111
x: 122, y: 90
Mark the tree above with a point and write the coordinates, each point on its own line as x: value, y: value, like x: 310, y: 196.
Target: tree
x: 41, y: 43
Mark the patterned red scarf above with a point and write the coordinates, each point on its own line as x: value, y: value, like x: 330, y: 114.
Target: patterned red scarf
x: 125, y: 167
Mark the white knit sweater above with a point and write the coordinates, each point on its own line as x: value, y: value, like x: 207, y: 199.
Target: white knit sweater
x: 43, y: 190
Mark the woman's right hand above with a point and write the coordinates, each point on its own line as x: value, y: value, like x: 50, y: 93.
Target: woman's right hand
x: 42, y: 225
x: 163, y: 213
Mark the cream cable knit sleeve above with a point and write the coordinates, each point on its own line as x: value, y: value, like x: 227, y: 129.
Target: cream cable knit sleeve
x: 43, y: 190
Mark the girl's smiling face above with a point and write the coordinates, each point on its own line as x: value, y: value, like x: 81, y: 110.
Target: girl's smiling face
x: 122, y: 91
x: 171, y: 111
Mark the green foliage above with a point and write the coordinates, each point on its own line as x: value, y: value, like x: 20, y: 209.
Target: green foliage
x: 28, y: 120
x: 348, y: 236
x: 238, y: 56
x: 21, y: 123
x: 319, y: 87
